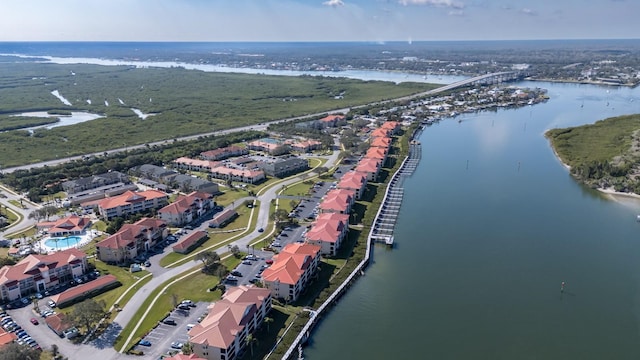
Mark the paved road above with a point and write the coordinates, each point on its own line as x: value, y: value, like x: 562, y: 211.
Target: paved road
x: 25, y: 223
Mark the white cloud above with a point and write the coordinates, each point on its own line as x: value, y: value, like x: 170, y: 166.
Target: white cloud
x: 528, y: 11
x: 333, y: 3
x: 439, y: 3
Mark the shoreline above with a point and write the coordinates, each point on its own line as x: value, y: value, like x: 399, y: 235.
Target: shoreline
x: 611, y: 192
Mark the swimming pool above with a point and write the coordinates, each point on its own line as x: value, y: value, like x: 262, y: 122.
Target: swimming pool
x: 61, y: 243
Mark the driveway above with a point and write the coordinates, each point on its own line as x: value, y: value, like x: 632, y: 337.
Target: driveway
x: 163, y: 335
x: 99, y: 349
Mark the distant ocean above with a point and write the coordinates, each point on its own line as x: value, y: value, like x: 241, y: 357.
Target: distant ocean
x: 200, y: 51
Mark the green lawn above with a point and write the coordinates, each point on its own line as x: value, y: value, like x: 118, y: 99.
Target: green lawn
x: 216, y: 240
x: 240, y: 99
x: 124, y: 276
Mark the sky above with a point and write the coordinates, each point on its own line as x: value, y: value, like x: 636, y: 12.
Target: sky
x: 316, y: 20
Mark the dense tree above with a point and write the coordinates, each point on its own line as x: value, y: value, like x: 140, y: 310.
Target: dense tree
x: 88, y: 313
x: 14, y: 351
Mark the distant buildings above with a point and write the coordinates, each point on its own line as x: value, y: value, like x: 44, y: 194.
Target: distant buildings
x: 224, y: 153
x: 173, y: 179
x: 268, y: 145
x: 95, y: 181
x: 97, y: 187
x: 283, y: 166
x: 221, y: 334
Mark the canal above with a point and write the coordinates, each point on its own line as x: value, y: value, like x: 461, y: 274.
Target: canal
x: 490, y: 226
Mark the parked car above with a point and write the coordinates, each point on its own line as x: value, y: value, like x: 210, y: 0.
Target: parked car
x: 269, y: 261
x: 236, y: 273
x: 176, y: 345
x: 144, y: 342
x: 247, y: 262
x: 188, y: 303
x: 184, y: 307
x: 34, y: 321
x: 169, y: 322
x: 51, y: 303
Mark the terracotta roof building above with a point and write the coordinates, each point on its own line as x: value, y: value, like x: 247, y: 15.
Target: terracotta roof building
x: 369, y: 166
x: 6, y: 337
x: 131, y: 240
x: 353, y: 180
x: 338, y: 201
x: 184, y: 357
x: 223, y: 153
x: 86, y: 290
x: 186, y: 208
x: 291, y: 270
x: 240, y: 175
x: 377, y: 153
x: 190, y: 241
x: 221, y: 334
x: 223, y: 218
x: 195, y: 164
x: 331, y: 120
x: 328, y: 232
x: 70, y: 225
x: 39, y: 273
x: 306, y: 146
x: 132, y: 202
x: 59, y: 323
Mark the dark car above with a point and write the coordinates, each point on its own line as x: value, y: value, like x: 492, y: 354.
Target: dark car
x: 169, y: 322
x: 236, y: 273
x: 184, y: 307
x: 260, y: 230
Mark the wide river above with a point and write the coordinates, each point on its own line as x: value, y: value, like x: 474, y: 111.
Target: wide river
x: 491, y: 224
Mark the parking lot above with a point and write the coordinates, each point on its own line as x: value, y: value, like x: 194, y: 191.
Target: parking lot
x: 163, y: 335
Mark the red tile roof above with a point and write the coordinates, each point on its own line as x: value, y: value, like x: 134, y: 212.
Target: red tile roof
x: 84, y: 289
x: 376, y: 153
x: 7, y: 337
x: 188, y: 241
x: 34, y: 264
x: 128, y: 233
x: 130, y: 197
x: 382, y: 142
x: 227, y: 317
x: 58, y: 322
x: 338, y: 200
x: 183, y: 203
x: 291, y: 263
x: 332, y: 118
x: 73, y: 223
x: 205, y: 164
x: 184, y: 357
x: 379, y: 132
x: 352, y: 180
x: 328, y: 227
x: 369, y: 165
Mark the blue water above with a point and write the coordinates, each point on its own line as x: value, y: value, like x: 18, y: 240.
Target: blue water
x: 63, y: 242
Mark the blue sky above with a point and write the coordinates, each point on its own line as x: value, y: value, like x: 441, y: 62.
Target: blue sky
x: 316, y: 20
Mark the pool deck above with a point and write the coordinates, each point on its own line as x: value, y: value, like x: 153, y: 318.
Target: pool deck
x: 84, y: 240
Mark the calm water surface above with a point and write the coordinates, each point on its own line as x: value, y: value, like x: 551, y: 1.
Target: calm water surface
x: 491, y: 224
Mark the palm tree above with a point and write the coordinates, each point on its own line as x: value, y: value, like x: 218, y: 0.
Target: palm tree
x: 267, y: 320
x: 250, y: 340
